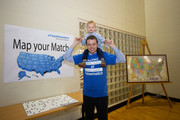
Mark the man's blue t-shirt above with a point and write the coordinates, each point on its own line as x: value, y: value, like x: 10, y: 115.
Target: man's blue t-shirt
x: 95, y: 78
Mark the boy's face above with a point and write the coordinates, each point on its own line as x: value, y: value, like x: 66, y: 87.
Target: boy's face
x: 92, y: 45
x: 91, y: 27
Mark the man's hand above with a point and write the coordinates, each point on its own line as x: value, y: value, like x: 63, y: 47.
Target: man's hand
x: 76, y: 42
x: 109, y: 43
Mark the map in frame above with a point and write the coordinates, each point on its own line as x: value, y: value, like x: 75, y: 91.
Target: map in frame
x: 146, y: 68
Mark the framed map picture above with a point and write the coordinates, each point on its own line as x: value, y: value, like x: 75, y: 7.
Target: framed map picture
x: 146, y: 68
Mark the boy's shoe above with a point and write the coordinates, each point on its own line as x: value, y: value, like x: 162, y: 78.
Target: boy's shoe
x: 103, y: 64
x: 82, y: 64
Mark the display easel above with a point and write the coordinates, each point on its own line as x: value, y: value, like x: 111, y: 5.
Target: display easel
x: 142, y: 48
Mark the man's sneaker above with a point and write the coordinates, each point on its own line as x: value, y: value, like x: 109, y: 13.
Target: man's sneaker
x: 103, y: 64
x: 82, y: 64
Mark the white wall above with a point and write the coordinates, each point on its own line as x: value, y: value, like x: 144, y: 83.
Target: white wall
x: 163, y: 36
x: 62, y: 16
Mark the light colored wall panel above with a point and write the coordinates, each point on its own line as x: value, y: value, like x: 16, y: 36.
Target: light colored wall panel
x: 162, y: 32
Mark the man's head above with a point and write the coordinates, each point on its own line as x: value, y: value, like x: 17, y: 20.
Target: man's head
x: 91, y: 26
x: 92, y: 44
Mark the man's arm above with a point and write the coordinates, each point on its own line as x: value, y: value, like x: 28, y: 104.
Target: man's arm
x: 68, y: 54
x: 120, y: 58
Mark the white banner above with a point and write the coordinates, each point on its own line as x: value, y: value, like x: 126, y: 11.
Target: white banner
x: 31, y: 54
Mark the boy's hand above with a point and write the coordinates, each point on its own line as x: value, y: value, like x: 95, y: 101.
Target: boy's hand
x: 109, y: 43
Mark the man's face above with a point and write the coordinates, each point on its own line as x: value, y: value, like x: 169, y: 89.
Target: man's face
x: 91, y: 27
x: 92, y: 45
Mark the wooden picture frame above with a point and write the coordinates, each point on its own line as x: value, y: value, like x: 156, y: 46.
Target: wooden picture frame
x: 147, y: 68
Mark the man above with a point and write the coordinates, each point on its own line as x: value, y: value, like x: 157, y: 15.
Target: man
x: 95, y: 91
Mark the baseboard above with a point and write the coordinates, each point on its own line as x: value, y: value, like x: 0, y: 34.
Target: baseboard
x: 136, y: 98
x: 124, y: 103
x: 162, y: 96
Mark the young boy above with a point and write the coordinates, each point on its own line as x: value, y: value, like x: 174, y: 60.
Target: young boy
x: 91, y: 27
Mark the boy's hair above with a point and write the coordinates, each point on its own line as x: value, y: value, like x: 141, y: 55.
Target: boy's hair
x: 89, y: 22
x: 91, y: 37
